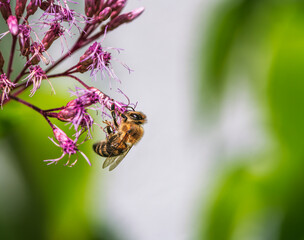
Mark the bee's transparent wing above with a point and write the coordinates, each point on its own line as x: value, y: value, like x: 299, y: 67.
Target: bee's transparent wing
x: 109, y: 161
x: 118, y: 159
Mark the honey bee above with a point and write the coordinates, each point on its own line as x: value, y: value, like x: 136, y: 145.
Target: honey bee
x: 121, y: 137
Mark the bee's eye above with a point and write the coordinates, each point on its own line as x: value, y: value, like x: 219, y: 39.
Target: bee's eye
x: 135, y: 116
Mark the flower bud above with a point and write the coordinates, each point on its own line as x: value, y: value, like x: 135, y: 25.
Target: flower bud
x: 32, y: 7
x: 89, y: 7
x: 24, y: 39
x: 94, y: 58
x: 86, y: 60
x: 20, y: 6
x: 105, y: 14
x: 99, y: 6
x: 117, y: 8
x: 13, y: 26
x: 5, y: 9
x: 111, y: 2
x: 44, y: 5
x: 93, y: 7
x: 67, y: 114
x: 124, y: 18
x: 54, y: 33
x: 74, y: 107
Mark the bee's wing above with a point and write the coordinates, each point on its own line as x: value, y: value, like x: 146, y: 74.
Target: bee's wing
x: 118, y: 159
x: 109, y: 161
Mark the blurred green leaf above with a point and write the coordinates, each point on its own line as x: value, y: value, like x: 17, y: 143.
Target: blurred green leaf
x: 248, y: 204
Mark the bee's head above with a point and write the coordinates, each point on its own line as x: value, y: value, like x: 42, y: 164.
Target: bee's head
x: 136, y: 117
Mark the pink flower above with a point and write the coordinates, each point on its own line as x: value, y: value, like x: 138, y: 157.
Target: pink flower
x: 95, y: 59
x: 76, y: 113
x: 5, y: 86
x: 68, y: 146
x: 25, y: 39
x: 58, y: 13
x: 35, y: 77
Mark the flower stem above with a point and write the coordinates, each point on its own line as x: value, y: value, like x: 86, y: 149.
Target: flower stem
x: 74, y: 49
x: 21, y: 73
x: 10, y: 63
x: 53, y: 109
x: 68, y: 75
x: 77, y: 79
x: 34, y: 108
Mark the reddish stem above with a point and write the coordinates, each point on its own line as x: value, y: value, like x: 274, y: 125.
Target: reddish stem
x: 53, y: 109
x: 77, y: 79
x: 10, y: 63
x: 21, y: 73
x: 73, y: 50
x: 68, y: 75
x: 34, y: 108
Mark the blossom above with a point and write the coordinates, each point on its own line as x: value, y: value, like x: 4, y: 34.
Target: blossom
x: 68, y: 146
x: 36, y: 50
x: 52, y: 34
x: 5, y: 86
x: 35, y: 77
x: 95, y: 59
x: 60, y: 13
x: 76, y: 113
x: 25, y: 39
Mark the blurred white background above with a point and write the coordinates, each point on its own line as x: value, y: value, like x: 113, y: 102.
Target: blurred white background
x: 152, y: 193
x: 155, y: 192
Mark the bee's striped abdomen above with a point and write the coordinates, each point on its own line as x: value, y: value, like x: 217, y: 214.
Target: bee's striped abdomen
x: 101, y: 149
x: 111, y: 147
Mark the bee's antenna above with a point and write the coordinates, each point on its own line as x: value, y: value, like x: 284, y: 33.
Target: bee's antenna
x: 128, y: 106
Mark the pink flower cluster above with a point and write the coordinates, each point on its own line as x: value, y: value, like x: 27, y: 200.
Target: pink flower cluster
x: 33, y: 27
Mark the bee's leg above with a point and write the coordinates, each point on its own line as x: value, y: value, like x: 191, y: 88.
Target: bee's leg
x: 124, y: 117
x: 114, y: 115
x: 109, y: 129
